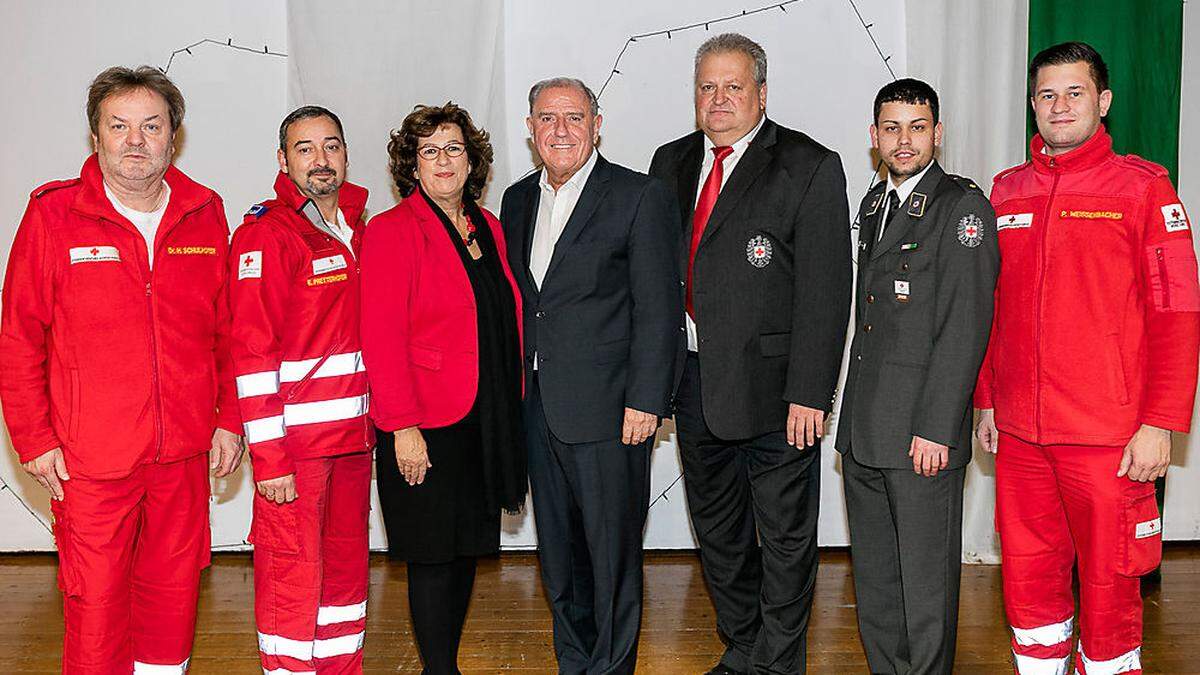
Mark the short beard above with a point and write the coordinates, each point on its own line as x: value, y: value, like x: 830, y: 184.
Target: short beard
x: 907, y: 173
x: 316, y: 189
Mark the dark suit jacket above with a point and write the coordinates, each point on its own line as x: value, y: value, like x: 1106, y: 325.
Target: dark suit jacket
x: 606, y: 323
x: 924, y: 312
x: 771, y: 280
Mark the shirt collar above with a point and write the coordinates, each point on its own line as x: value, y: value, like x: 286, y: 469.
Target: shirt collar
x: 906, y: 188
x: 739, y: 146
x: 575, y: 182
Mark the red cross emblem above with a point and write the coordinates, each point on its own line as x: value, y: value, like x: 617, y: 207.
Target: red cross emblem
x: 971, y: 231
x: 249, y: 261
x: 1175, y: 214
x: 759, y: 252
x: 94, y: 251
x: 1012, y: 219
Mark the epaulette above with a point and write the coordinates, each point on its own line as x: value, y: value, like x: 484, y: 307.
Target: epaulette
x: 52, y: 186
x: 1003, y: 174
x: 1144, y: 165
x: 965, y: 183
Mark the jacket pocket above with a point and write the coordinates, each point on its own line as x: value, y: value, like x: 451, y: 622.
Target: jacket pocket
x: 1139, y: 546
x: 775, y: 344
x: 1117, y: 381
x: 74, y: 413
x: 425, y: 357
x: 611, y: 352
x: 68, y: 573
x: 1172, y: 276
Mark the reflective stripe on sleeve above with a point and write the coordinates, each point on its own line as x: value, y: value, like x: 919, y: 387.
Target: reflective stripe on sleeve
x: 258, y: 384
x: 264, y: 429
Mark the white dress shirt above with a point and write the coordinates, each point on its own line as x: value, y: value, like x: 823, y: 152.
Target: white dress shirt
x: 903, y: 192
x: 554, y: 210
x: 706, y: 165
x: 146, y: 222
x: 344, y: 232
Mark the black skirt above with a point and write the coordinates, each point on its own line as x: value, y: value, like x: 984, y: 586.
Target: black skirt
x: 447, y: 515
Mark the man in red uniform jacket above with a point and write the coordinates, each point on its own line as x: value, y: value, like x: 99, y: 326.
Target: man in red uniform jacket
x: 1091, y: 365
x: 117, y: 381
x: 303, y: 394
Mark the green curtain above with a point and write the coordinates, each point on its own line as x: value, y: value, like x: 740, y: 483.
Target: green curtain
x: 1142, y: 43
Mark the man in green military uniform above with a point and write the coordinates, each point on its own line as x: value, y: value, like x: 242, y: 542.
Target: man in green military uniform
x: 927, y: 265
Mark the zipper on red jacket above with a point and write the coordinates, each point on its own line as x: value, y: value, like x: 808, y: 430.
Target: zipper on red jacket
x: 1162, y: 278
x: 1037, y: 323
x: 158, y: 412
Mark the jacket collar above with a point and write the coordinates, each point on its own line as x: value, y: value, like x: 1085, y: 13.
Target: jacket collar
x: 186, y: 194
x: 1094, y: 151
x: 352, y: 199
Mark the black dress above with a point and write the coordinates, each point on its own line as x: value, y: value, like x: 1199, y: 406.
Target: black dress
x: 478, y: 462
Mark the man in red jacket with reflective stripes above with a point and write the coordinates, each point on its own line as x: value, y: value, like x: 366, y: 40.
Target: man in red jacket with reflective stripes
x: 115, y: 373
x: 1092, y: 363
x: 303, y: 394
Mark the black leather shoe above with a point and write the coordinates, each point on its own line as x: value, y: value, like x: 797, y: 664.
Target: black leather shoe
x: 722, y: 669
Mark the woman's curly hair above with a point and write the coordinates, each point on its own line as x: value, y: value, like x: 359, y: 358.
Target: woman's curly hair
x: 424, y: 121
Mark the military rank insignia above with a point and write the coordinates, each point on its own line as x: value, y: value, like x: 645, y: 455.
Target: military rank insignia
x: 758, y: 251
x: 970, y: 230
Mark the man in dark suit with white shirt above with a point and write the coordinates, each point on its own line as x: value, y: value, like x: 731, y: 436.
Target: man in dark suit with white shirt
x: 766, y: 260
x: 592, y: 246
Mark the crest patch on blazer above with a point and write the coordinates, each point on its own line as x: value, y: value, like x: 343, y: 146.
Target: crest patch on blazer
x: 970, y: 230
x: 758, y: 251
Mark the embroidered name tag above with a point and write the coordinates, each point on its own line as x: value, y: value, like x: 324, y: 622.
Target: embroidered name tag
x: 333, y: 262
x: 1093, y: 215
x: 327, y: 279
x: 250, y: 265
x: 84, y: 254
x: 1148, y: 529
x: 1013, y: 221
x: 191, y: 250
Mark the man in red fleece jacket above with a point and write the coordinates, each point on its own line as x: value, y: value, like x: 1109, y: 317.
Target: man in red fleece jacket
x: 117, y: 381
x: 1091, y: 365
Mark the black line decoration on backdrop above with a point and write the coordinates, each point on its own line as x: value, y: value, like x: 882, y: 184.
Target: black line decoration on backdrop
x: 228, y: 44
x: 782, y: 6
x: 5, y: 487
x: 668, y: 32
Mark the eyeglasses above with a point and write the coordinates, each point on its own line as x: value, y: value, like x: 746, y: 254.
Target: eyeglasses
x: 430, y: 153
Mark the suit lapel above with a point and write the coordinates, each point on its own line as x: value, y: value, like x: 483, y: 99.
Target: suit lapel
x: 749, y: 167
x: 911, y: 210
x: 532, y: 195
x: 688, y: 178
x: 593, y: 193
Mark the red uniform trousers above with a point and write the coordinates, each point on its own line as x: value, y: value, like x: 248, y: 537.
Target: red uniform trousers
x: 130, y: 551
x: 310, y: 569
x: 1061, y: 504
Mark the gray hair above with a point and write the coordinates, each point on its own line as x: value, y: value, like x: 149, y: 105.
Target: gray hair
x: 569, y: 82
x: 736, y: 42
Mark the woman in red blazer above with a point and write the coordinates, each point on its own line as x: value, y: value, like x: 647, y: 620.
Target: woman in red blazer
x: 442, y: 346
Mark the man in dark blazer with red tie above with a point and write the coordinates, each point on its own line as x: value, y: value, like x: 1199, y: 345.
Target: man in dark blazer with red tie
x: 592, y: 245
x: 766, y: 261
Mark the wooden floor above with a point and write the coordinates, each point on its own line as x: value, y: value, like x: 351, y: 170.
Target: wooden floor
x: 509, y: 625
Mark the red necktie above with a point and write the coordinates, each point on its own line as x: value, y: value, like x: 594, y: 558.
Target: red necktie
x: 704, y: 207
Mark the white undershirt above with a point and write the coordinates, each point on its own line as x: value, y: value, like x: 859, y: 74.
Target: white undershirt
x: 145, y: 222
x: 344, y: 232
x: 706, y: 165
x: 554, y: 210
